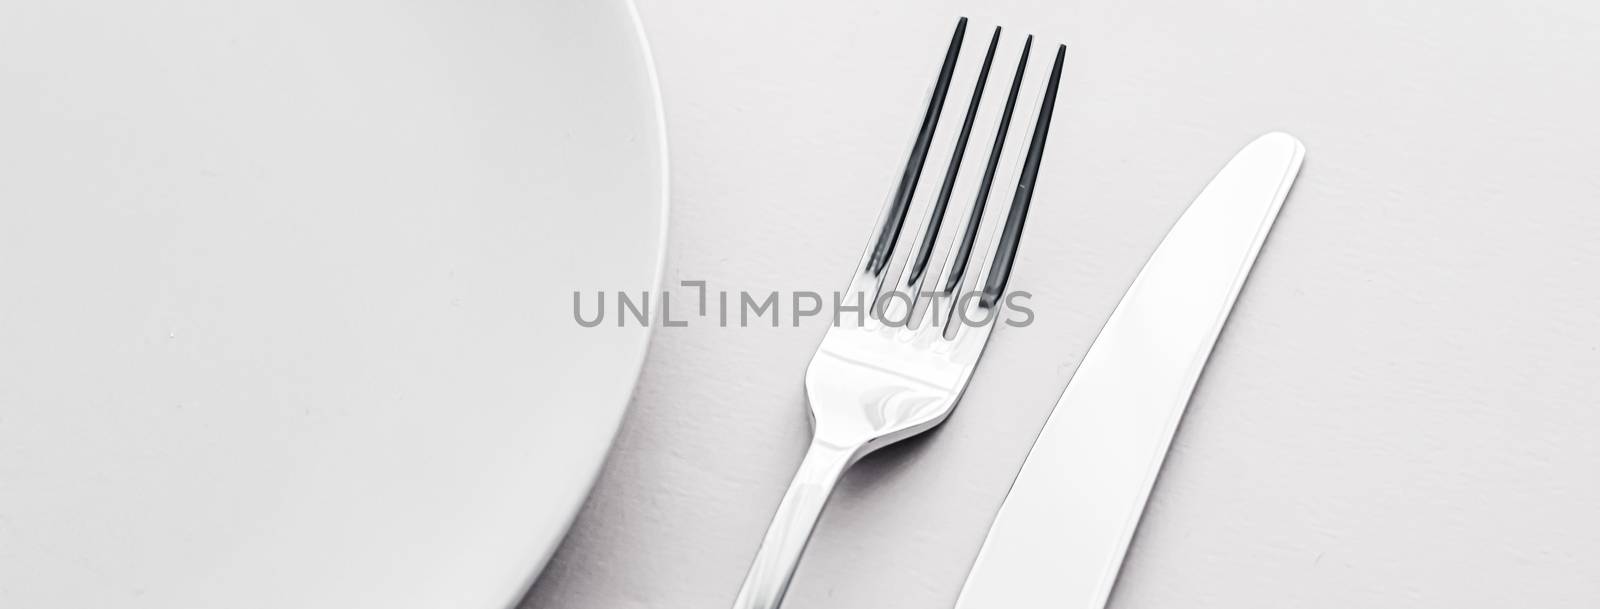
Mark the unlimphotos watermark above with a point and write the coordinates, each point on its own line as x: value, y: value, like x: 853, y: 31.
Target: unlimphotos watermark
x: 743, y: 308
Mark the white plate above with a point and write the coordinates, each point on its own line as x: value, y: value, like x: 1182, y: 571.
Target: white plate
x: 286, y: 294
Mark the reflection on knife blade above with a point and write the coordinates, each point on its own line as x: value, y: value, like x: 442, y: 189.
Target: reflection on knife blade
x: 1060, y: 537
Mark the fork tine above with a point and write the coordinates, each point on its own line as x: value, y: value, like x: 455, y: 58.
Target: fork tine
x: 882, y: 250
x: 955, y: 266
x: 919, y: 265
x: 1011, y: 238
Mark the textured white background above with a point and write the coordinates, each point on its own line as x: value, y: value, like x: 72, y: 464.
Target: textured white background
x: 1402, y: 411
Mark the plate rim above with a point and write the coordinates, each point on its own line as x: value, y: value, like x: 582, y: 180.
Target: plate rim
x: 664, y: 203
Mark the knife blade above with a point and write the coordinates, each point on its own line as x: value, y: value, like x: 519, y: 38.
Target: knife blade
x: 1059, y: 539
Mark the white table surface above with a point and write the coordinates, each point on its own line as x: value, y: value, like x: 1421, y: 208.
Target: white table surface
x: 1402, y: 412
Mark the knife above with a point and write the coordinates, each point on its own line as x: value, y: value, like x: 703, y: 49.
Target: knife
x: 1059, y: 539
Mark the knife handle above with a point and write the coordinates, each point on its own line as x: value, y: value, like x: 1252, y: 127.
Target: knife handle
x: 768, y: 579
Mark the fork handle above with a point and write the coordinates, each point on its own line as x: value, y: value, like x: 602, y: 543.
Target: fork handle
x: 791, y: 528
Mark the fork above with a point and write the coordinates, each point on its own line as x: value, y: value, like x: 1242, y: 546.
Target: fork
x: 899, y: 372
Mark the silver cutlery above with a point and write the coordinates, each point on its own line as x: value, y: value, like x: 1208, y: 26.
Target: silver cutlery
x: 901, y: 372
x: 1060, y: 537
